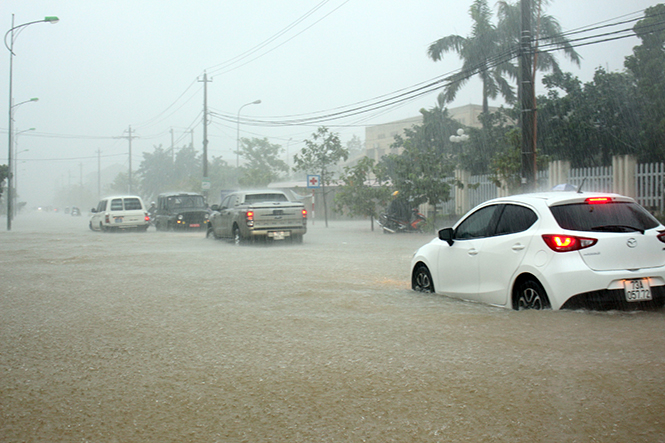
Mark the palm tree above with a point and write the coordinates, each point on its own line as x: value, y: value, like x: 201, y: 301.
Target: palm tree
x: 480, y: 53
x: 490, y: 51
x: 547, y: 33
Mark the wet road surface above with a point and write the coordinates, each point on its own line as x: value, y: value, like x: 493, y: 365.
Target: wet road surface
x: 170, y: 337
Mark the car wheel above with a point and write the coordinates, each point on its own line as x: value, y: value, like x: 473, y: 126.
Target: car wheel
x: 237, y: 236
x: 421, y: 280
x: 531, y: 295
x: 210, y: 233
x: 90, y: 226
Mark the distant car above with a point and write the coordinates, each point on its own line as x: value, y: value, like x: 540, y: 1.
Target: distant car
x: 181, y: 211
x: 247, y: 216
x: 75, y: 211
x: 120, y: 213
x: 558, y: 250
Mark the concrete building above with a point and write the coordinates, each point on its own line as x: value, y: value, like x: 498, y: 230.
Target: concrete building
x: 378, y: 138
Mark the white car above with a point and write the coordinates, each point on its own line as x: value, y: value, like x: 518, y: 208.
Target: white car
x: 125, y: 212
x: 558, y: 250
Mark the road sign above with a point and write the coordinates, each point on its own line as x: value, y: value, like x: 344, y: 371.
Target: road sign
x: 313, y: 181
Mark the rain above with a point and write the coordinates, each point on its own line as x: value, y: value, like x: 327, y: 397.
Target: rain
x: 173, y: 335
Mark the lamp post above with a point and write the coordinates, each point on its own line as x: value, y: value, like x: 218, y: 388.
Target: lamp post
x: 10, y: 48
x: 256, y: 102
x: 16, y: 153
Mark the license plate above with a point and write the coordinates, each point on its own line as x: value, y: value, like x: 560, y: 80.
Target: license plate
x: 117, y: 219
x: 278, y: 235
x: 194, y: 225
x: 637, y: 290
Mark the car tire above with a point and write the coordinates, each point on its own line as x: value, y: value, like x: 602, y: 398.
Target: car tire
x: 530, y: 294
x: 210, y: 233
x: 238, y: 239
x: 421, y: 279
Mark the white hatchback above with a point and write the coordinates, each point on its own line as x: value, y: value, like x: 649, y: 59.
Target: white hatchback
x: 125, y: 212
x: 559, y: 250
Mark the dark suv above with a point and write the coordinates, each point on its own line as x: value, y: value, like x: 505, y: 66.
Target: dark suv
x: 181, y: 210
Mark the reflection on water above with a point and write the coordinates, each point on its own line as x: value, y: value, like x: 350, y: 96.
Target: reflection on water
x: 154, y: 337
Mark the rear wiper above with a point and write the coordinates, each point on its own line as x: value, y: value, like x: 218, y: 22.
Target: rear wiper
x: 618, y: 228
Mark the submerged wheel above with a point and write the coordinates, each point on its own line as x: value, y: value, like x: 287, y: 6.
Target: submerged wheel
x: 531, y: 295
x: 237, y: 236
x: 421, y: 280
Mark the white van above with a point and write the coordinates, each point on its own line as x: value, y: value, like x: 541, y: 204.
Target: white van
x: 121, y: 212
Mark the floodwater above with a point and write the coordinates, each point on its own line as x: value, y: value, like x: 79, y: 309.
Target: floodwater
x: 170, y: 337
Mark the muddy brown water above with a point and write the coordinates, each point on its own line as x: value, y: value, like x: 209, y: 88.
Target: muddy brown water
x: 169, y: 337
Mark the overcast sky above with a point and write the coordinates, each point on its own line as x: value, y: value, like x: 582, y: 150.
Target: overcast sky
x: 111, y: 64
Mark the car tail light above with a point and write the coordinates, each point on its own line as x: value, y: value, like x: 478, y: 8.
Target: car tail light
x: 249, y: 215
x: 567, y: 243
x: 304, y: 213
x: 108, y: 219
x: 598, y: 200
x: 147, y: 217
x: 661, y: 236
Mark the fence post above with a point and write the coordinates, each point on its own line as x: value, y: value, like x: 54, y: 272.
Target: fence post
x: 623, y: 174
x: 462, y: 194
x: 559, y: 171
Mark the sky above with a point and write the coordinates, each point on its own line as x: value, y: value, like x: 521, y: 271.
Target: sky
x: 107, y: 66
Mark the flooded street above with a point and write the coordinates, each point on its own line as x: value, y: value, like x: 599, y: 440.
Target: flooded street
x: 171, y: 337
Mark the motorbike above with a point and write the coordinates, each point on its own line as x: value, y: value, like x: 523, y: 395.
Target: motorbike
x: 392, y: 225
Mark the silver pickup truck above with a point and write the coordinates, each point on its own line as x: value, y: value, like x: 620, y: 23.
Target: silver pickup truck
x: 250, y: 215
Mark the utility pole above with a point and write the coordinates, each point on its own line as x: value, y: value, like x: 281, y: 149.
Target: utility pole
x: 205, y: 184
x: 172, y: 149
x: 526, y: 94
x: 130, y: 137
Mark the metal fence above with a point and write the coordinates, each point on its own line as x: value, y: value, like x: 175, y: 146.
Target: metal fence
x: 649, y: 185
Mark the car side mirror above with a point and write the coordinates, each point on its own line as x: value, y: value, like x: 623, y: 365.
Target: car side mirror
x: 446, y: 234
x: 93, y: 210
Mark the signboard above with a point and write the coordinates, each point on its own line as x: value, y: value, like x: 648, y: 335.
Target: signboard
x: 205, y: 183
x: 313, y: 181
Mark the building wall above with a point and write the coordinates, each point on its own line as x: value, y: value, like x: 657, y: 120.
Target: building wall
x: 379, y: 138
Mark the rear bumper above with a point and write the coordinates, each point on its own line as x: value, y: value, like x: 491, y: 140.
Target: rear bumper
x: 610, y: 299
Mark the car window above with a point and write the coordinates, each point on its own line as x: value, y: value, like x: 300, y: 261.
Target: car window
x: 101, y: 207
x: 116, y: 204
x: 515, y: 218
x: 479, y: 224
x: 132, y: 204
x: 260, y: 198
x: 614, y: 216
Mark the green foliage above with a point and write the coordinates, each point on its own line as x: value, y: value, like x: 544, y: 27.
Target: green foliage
x: 476, y: 154
x: 483, y: 52
x: 591, y: 122
x: 263, y: 164
x: 3, y: 176
x: 161, y: 171
x: 506, y: 166
x: 647, y: 64
x: 362, y: 192
x: 319, y: 156
x: 422, y: 172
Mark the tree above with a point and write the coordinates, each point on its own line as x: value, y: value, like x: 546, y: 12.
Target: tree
x: 3, y: 176
x: 157, y: 172
x: 647, y: 64
x: 490, y: 50
x: 589, y: 123
x: 362, y: 192
x: 355, y: 146
x: 263, y: 164
x: 319, y: 156
x: 423, y: 171
x: 479, y: 53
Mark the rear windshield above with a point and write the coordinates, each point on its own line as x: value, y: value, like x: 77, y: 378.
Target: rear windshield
x: 260, y: 198
x: 186, y: 201
x: 610, y: 217
x: 132, y: 204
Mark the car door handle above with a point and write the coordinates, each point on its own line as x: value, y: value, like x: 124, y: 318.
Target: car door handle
x: 518, y: 247
x: 473, y: 252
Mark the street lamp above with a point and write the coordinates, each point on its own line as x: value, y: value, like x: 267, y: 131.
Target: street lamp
x: 460, y: 137
x: 256, y: 102
x: 10, y: 48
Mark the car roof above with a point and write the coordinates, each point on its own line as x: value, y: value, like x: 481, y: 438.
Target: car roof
x: 121, y: 196
x: 173, y: 194
x: 555, y: 198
